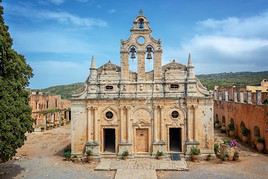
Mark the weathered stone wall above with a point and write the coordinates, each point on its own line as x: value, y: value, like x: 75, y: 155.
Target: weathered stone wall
x: 49, y: 111
x: 251, y: 114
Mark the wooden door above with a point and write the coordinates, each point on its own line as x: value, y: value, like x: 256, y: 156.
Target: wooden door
x: 142, y: 140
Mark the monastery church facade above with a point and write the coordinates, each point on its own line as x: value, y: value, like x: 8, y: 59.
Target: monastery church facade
x: 166, y: 109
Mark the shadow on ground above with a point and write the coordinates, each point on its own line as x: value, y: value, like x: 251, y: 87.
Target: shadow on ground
x: 10, y: 170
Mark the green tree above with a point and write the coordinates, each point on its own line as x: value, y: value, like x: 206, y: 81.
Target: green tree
x: 15, y: 113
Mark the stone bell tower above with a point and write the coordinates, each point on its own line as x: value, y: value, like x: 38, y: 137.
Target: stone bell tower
x: 141, y: 46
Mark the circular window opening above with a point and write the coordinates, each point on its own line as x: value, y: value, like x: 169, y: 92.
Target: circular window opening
x: 141, y: 40
x: 109, y: 115
x: 175, y: 114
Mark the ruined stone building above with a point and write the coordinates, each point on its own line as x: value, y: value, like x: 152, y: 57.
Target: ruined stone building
x: 164, y: 109
x: 49, y: 111
x: 244, y: 108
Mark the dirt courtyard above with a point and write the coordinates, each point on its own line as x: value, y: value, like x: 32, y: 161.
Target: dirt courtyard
x: 41, y: 157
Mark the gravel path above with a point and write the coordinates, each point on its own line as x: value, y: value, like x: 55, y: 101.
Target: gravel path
x: 41, y: 157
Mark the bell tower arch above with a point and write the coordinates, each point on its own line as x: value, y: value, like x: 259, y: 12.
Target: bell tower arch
x: 141, y: 46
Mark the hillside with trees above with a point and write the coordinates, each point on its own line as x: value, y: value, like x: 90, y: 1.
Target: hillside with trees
x: 208, y: 80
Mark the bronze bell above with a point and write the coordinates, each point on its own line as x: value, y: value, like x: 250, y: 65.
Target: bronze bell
x: 149, y: 55
x: 132, y: 51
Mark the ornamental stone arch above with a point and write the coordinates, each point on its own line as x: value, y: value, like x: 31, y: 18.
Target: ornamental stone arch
x: 111, y: 109
x: 141, y: 115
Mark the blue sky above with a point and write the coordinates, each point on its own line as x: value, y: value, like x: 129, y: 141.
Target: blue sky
x: 58, y: 37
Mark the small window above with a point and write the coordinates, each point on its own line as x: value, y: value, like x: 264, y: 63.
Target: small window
x: 175, y: 114
x: 109, y: 115
x: 174, y: 86
x: 109, y: 87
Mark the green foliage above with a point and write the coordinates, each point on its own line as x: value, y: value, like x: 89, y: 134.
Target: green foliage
x: 260, y: 140
x: 159, y: 153
x: 65, y: 91
x: 216, y: 148
x: 53, y: 110
x: 245, y: 131
x: 265, y: 102
x: 232, y: 79
x: 67, y: 153
x: 195, y: 150
x: 231, y: 126
x: 15, y: 113
x: 89, y: 152
x: 125, y: 153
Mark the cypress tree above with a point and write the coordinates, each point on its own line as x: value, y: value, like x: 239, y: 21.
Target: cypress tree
x: 15, y: 112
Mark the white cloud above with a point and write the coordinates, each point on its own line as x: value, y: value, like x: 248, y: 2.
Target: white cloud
x: 231, y: 44
x: 255, y: 26
x: 50, y: 42
x: 67, y: 18
x: 58, y: 16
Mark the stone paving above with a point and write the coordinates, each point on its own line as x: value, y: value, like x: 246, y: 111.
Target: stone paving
x: 141, y: 168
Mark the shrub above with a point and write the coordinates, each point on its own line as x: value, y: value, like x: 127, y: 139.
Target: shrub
x: 159, y: 153
x: 231, y: 126
x: 195, y: 150
x: 244, y: 131
x: 216, y: 148
x: 67, y: 153
x: 89, y: 152
x: 260, y: 140
x: 125, y: 153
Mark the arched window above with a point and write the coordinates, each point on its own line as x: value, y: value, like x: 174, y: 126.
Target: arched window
x: 223, y: 120
x: 217, y: 118
x: 257, y: 132
x: 232, y: 121
x: 242, y: 125
x: 149, y: 58
x: 133, y: 61
x: 141, y: 23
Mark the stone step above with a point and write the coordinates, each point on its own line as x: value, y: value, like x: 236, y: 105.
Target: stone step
x: 135, y: 174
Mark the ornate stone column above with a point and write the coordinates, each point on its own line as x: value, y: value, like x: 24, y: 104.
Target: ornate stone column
x: 95, y: 129
x: 89, y: 132
x: 155, y: 125
x: 160, y: 123
x: 128, y: 108
x: 194, y: 122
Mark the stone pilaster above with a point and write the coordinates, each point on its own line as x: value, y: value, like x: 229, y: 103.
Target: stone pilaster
x: 155, y: 125
x: 226, y: 95
x: 235, y: 96
x: 249, y: 96
x: 258, y: 97
x: 157, y: 65
x: 89, y: 134
x: 141, y: 65
x: 241, y: 97
x: 124, y: 65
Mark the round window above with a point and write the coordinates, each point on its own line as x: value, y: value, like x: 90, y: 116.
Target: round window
x: 109, y: 115
x: 175, y: 114
x: 141, y: 40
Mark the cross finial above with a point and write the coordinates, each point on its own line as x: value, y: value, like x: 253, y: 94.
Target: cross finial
x: 141, y: 12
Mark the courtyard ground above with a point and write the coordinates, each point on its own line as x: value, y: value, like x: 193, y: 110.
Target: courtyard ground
x: 41, y: 157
